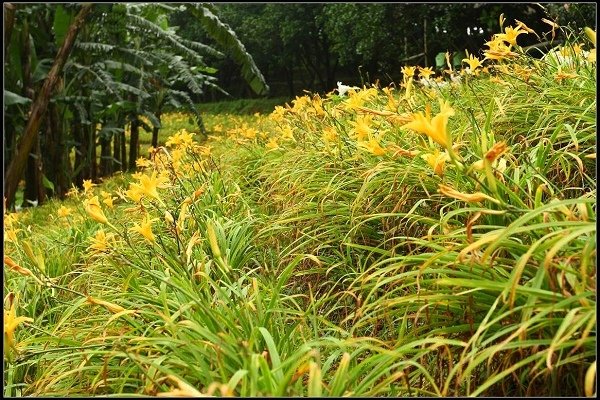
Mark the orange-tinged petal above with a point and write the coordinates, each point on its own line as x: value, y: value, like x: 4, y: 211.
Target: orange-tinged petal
x: 468, y: 197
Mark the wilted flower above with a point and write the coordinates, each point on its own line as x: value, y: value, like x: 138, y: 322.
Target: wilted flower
x: 468, y: 197
x: 112, y: 307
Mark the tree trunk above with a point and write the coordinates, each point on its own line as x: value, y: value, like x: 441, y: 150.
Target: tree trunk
x: 34, y: 190
x: 289, y: 73
x: 93, y: 157
x: 82, y: 166
x: 105, y: 156
x: 58, y: 154
x: 134, y: 143
x: 123, y: 151
x: 116, y: 151
x: 155, y: 132
x: 38, y: 109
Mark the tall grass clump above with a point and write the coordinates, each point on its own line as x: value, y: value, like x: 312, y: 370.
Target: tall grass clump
x: 437, y: 238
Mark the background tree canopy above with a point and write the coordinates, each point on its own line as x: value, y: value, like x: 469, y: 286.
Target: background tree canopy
x: 312, y: 46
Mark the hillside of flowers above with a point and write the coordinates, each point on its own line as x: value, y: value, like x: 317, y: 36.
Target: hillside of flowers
x: 436, y: 237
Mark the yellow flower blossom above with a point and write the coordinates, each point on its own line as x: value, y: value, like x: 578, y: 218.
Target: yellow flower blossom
x: 182, y: 138
x: 426, y: 72
x: 143, y: 162
x: 437, y: 161
x: 272, y: 144
x: 286, y: 132
x: 355, y: 100
x: 473, y: 62
x: 11, y: 322
x: 92, y: 207
x: 362, y: 127
x: 63, y: 211
x: 436, y: 127
x: 134, y: 193
x: 145, y: 229
x: 318, y: 106
x: 278, y: 114
x: 408, y: 72
x: 148, y: 185
x: 330, y: 135
x: 101, y: 242
x: 510, y: 34
x: 373, y: 147
x: 87, y: 185
x: 109, y: 201
x: 498, y: 50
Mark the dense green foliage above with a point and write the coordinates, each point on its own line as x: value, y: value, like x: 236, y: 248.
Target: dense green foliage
x: 126, y: 68
x: 312, y: 46
x: 433, y: 240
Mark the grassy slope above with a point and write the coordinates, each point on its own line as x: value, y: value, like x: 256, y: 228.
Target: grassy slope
x: 307, y: 265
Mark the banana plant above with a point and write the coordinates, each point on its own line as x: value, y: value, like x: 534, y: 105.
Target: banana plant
x: 110, y: 78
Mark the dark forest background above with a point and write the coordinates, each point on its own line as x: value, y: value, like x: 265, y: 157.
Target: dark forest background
x: 312, y: 46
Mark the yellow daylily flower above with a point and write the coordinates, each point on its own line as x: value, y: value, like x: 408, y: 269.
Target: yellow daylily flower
x: 330, y: 135
x: 426, y: 72
x: 63, y: 211
x: 473, y: 61
x: 408, y: 72
x: 373, y: 146
x: 362, y: 127
x: 510, y: 34
x: 148, y: 185
x: 437, y: 161
x: 87, y: 185
x: 92, y: 207
x: 11, y: 323
x: 101, y: 242
x: 436, y: 127
x: 145, y: 229
x: 272, y: 144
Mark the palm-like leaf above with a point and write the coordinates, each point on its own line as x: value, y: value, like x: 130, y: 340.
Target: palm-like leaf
x: 227, y: 38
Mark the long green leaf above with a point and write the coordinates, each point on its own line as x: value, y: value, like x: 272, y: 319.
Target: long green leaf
x: 227, y: 38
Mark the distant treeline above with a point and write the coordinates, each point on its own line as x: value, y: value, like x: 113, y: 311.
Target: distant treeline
x: 311, y: 46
